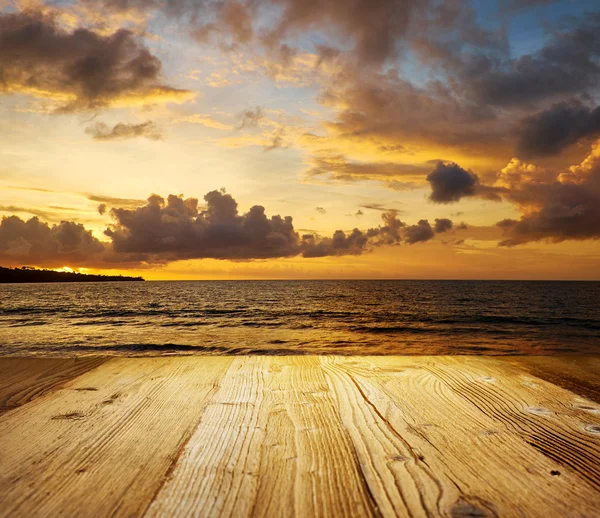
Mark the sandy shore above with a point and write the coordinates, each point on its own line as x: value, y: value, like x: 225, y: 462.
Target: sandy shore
x: 300, y: 436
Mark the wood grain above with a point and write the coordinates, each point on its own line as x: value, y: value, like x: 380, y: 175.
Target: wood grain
x: 270, y: 444
x: 554, y: 421
x: 103, y: 452
x: 455, y: 459
x: 579, y: 374
x: 24, y: 379
x: 299, y: 436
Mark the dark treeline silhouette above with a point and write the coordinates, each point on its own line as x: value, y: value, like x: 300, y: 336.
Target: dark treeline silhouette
x: 28, y: 274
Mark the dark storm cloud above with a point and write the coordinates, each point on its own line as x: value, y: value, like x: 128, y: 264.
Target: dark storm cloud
x: 566, y: 65
x: 33, y: 242
x: 172, y: 229
x: 357, y: 241
x: 122, y: 131
x: 442, y: 225
x: 554, y: 207
x: 175, y: 228
x: 385, y: 107
x: 450, y: 183
x: 82, y: 69
x: 420, y: 232
x: 554, y: 129
x: 556, y: 211
x: 374, y: 28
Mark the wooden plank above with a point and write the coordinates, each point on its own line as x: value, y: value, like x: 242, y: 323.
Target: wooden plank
x: 270, y: 444
x: 301, y: 436
x: 24, y: 379
x: 579, y: 374
x: 554, y: 421
x: 104, y: 452
x: 428, y: 450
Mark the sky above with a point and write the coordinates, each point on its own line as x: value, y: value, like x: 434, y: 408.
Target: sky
x: 300, y: 139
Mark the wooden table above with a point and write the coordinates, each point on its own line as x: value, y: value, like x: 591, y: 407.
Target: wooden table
x: 300, y: 436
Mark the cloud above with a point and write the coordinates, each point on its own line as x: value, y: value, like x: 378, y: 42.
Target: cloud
x: 122, y: 131
x: 79, y: 70
x: 205, y: 120
x: 251, y: 117
x: 113, y: 202
x: 442, y: 225
x: 320, y: 210
x: 379, y: 206
x: 340, y: 168
x: 551, y: 131
x: 565, y: 66
x: 386, y: 108
x: 565, y: 207
x: 373, y: 32
x: 36, y: 243
x: 172, y: 229
x: 102, y: 209
x: 477, y: 90
x: 276, y: 140
x: 175, y: 228
x: 418, y: 233
x: 35, y: 189
x: 450, y: 183
x: 36, y: 212
x: 356, y: 242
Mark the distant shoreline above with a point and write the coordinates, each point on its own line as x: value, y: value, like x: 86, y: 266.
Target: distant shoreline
x: 27, y: 275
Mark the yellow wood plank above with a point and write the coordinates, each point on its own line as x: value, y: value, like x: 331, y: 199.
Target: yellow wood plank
x: 556, y: 422
x: 24, y: 379
x: 104, y: 452
x: 270, y: 444
x: 301, y: 436
x: 579, y: 374
x: 427, y: 450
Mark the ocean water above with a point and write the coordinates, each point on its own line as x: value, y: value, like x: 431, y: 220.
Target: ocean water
x: 300, y: 317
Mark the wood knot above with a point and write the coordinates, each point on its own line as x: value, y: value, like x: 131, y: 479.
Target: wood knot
x: 592, y: 428
x: 462, y: 509
x: 555, y: 473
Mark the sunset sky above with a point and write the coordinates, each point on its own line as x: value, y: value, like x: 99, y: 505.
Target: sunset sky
x: 359, y: 138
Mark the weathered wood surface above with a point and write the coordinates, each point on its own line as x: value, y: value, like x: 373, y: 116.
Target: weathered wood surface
x: 579, y: 374
x: 24, y: 379
x: 300, y: 436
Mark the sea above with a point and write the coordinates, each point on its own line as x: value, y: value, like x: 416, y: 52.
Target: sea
x: 300, y: 317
